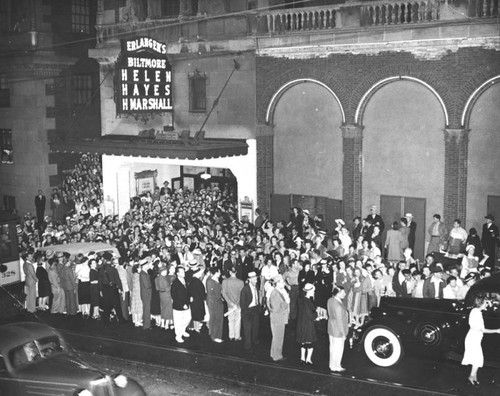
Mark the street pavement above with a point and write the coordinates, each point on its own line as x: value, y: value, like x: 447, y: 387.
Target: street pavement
x: 229, y: 361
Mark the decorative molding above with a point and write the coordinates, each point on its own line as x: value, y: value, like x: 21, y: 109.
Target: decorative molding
x: 352, y: 131
x: 458, y: 135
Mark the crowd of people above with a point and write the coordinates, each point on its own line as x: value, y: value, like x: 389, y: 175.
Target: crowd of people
x: 185, y: 260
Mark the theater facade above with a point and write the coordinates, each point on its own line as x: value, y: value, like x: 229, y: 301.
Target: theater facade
x: 330, y: 107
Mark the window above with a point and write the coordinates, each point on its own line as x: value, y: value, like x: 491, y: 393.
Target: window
x: 4, y: 92
x: 80, y: 16
x: 6, y: 146
x: 9, y: 203
x: 197, y: 92
x: 82, y: 89
x: 170, y: 8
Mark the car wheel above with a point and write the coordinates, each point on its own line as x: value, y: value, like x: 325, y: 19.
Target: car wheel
x: 382, y: 346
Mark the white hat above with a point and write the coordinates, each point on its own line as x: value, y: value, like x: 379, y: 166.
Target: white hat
x: 408, y: 215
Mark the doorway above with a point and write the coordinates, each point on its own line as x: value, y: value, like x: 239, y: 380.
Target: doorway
x: 493, y: 206
x: 392, y: 208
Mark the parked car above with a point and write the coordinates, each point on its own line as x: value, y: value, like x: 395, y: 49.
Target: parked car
x: 36, y: 360
x: 436, y: 327
x: 82, y: 247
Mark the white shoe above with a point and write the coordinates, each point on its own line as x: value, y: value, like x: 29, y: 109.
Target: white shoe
x: 218, y: 340
x: 179, y: 340
x: 186, y: 334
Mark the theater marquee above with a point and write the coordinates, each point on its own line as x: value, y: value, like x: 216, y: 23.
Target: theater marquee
x: 143, y: 77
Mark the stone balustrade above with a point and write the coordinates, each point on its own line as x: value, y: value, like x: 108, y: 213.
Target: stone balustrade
x: 297, y: 20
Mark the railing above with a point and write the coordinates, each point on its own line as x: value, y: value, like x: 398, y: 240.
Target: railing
x: 301, y: 19
x: 307, y: 19
x: 400, y: 12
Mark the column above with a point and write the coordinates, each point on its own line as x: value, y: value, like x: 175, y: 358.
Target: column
x: 352, y: 171
x: 265, y: 166
x: 455, y: 174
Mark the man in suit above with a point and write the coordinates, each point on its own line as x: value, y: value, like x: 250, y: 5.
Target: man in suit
x: 434, y: 285
x: 376, y: 219
x: 411, y: 235
x: 250, y: 311
x: 30, y: 280
x: 489, y: 240
x: 438, y: 233
x: 279, y: 310
x: 180, y: 304
x: 235, y: 262
x: 40, y: 202
x: 338, y: 327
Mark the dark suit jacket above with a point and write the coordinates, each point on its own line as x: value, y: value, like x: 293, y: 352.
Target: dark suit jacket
x: 40, y: 204
x: 489, y: 238
x: 430, y: 290
x: 226, y: 265
x: 146, y: 287
x: 338, y: 323
x: 180, y: 295
x: 246, y: 298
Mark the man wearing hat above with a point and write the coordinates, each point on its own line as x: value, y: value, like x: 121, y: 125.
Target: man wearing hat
x: 250, y: 311
x: 437, y: 232
x: 279, y: 310
x: 412, y: 226
x: 375, y: 218
x: 434, y: 285
x: 489, y: 239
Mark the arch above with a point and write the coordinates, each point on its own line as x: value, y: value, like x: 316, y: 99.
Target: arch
x: 274, y: 100
x: 358, y: 117
x: 464, y: 121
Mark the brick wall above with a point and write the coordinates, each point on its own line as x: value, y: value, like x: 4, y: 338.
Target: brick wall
x: 454, y: 76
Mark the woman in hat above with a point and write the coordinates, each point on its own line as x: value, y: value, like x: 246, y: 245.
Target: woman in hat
x: 58, y: 299
x: 470, y: 262
x: 82, y: 271
x: 306, y: 329
x: 473, y: 354
x: 43, y: 282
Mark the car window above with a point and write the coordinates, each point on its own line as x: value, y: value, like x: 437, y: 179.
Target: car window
x: 49, y: 345
x: 3, y: 367
x: 24, y: 354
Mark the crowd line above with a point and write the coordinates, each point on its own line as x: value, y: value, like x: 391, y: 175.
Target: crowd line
x: 186, y: 261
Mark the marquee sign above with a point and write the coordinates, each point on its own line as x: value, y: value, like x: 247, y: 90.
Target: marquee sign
x: 143, y: 77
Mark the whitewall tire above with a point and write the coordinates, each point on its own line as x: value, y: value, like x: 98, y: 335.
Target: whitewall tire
x: 382, y: 346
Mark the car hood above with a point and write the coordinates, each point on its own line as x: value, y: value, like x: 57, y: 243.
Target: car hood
x: 61, y: 369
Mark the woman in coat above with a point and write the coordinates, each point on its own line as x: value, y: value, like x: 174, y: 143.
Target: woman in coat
x: 197, y: 295
x: 135, y: 297
x: 473, y: 353
x: 43, y: 285
x: 393, y: 243
x: 58, y: 299
x: 215, y: 305
x: 164, y: 292
x: 94, y: 289
x: 306, y: 329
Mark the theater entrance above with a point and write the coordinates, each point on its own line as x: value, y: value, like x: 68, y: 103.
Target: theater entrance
x: 327, y: 209
x: 392, y: 208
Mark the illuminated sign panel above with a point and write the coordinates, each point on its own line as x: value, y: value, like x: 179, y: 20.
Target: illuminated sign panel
x: 143, y: 78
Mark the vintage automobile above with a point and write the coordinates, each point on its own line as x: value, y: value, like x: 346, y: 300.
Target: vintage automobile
x: 435, y: 327
x: 36, y: 360
x: 82, y: 247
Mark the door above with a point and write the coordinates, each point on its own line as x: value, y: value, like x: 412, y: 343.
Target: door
x: 493, y: 206
x: 280, y: 207
x: 392, y: 208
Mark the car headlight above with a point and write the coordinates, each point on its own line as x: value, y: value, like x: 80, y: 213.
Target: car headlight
x: 120, y: 381
x: 83, y: 392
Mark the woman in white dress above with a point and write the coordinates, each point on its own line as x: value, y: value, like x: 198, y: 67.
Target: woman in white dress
x: 473, y: 353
